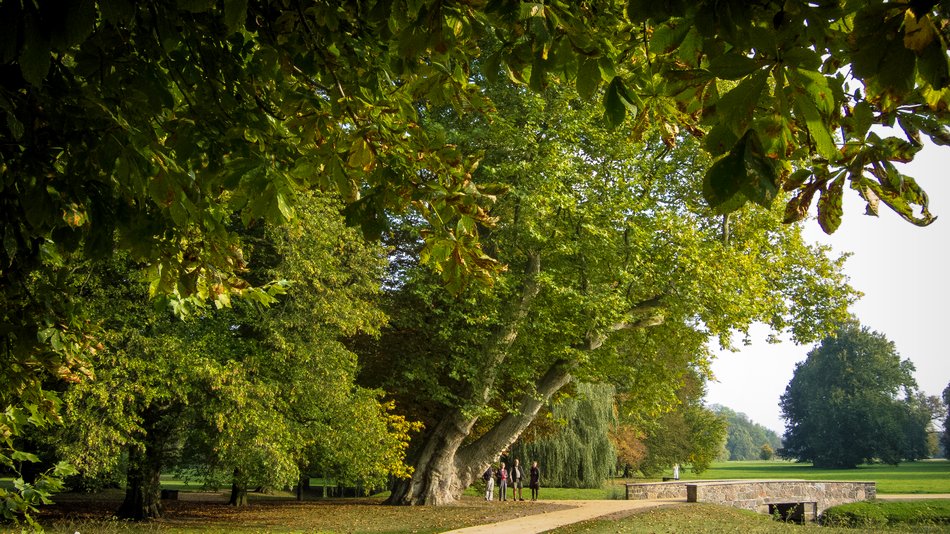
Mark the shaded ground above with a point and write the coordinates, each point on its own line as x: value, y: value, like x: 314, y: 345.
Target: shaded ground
x: 95, y: 514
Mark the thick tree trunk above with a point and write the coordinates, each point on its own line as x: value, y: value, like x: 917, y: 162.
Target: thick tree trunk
x: 444, y: 468
x: 438, y: 476
x: 238, y: 490
x: 143, y: 490
x: 238, y: 495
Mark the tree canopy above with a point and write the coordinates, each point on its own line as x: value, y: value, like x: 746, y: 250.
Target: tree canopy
x: 154, y: 127
x: 616, y: 274
x: 853, y: 401
x: 146, y: 125
x: 247, y: 395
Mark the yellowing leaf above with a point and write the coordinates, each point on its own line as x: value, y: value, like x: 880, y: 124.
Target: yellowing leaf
x: 918, y: 33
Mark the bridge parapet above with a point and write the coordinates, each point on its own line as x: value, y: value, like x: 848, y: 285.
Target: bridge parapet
x: 758, y: 495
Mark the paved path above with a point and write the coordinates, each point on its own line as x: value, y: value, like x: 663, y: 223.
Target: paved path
x: 582, y: 511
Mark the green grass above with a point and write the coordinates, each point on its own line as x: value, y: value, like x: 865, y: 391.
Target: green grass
x: 712, y: 519
x: 613, y: 489
x: 873, y: 514
x: 929, y: 476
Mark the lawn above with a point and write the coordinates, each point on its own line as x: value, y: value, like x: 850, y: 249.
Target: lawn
x: 929, y: 476
x: 712, y: 519
x: 82, y: 514
x: 280, y: 513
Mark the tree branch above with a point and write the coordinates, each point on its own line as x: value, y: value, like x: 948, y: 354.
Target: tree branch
x: 474, y: 457
x: 652, y: 308
x: 500, y: 342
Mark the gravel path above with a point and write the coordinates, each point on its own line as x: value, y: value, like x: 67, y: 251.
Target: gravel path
x: 582, y: 511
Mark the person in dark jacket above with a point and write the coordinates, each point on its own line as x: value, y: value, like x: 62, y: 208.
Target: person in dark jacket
x: 535, y: 481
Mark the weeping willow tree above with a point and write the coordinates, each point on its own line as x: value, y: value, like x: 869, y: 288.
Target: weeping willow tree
x: 578, y: 452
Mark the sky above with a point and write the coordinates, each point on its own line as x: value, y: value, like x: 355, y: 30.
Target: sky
x: 904, y: 273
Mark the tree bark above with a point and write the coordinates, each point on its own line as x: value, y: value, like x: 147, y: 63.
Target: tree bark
x: 444, y: 468
x: 143, y: 487
x: 238, y: 490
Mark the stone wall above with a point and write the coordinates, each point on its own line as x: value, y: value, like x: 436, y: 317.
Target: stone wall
x: 657, y: 490
x: 759, y: 494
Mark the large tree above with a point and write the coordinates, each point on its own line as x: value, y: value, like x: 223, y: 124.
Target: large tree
x: 853, y: 401
x: 611, y: 264
x: 257, y: 394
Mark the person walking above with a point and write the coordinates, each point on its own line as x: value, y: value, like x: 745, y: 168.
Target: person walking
x: 516, y: 476
x: 489, y: 477
x: 535, y: 481
x: 503, y: 482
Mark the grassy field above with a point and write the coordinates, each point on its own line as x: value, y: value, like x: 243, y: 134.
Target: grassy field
x: 930, y: 476
x: 280, y: 513
x: 83, y: 515
x: 711, y: 519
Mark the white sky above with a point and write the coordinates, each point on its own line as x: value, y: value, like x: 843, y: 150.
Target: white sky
x: 902, y: 271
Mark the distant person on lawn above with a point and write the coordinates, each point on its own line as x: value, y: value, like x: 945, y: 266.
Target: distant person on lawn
x: 516, y: 476
x: 489, y: 477
x: 535, y: 481
x: 502, y: 482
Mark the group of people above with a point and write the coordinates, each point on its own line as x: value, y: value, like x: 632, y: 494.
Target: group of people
x: 514, y: 478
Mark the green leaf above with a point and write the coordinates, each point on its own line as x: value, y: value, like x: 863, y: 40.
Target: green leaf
x: 732, y: 66
x: 815, y: 85
x: 719, y: 139
x: 117, y: 11
x: 235, y: 13
x: 286, y: 212
x: 15, y: 126
x: 829, y: 206
x: 9, y: 243
x: 801, y: 57
x: 861, y: 119
x: 538, y: 79
x: 817, y: 127
x: 761, y: 183
x: 897, y: 68
x: 934, y: 65
x: 196, y: 6
x: 797, y: 179
x: 361, y: 155
x: 615, y: 110
x: 737, y: 107
x: 588, y: 77
x: 465, y: 225
x: 35, y: 56
x: 723, y: 182
x: 607, y: 69
x: 20, y: 456
x: 668, y: 36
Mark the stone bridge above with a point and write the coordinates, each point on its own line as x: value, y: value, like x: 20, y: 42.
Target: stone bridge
x: 793, y: 499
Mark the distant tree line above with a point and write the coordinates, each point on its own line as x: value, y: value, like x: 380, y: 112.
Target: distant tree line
x: 746, y: 440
